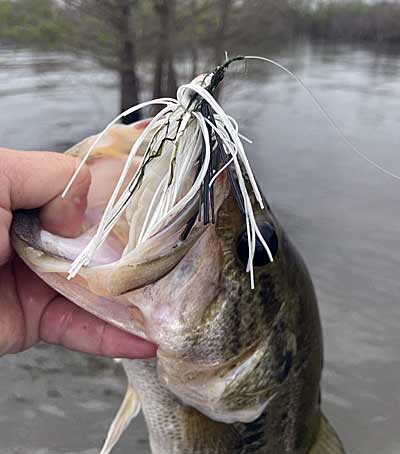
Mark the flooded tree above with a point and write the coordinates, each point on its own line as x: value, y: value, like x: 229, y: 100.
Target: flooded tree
x: 356, y: 20
x: 224, y: 8
x: 127, y: 60
x: 120, y: 34
x: 165, y: 83
x: 194, y: 47
x: 36, y: 24
x: 105, y: 29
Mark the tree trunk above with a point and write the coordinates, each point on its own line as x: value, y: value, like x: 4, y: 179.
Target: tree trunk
x: 165, y: 83
x: 194, y: 51
x: 161, y: 51
x: 224, y: 9
x: 220, y: 37
x: 172, y: 84
x: 129, y: 84
x: 195, y: 61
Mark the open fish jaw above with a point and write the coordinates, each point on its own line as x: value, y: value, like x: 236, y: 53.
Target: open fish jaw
x: 103, y: 287
x: 120, y: 264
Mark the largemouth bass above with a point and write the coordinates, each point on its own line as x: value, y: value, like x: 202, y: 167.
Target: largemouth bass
x: 238, y: 369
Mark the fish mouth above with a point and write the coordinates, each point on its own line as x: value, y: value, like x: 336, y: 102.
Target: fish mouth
x: 125, y: 261
x: 115, y: 285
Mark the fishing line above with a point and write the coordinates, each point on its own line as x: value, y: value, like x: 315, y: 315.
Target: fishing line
x: 327, y: 116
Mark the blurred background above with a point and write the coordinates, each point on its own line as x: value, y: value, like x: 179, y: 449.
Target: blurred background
x: 68, y: 67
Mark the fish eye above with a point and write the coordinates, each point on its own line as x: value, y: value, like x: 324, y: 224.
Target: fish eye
x: 261, y: 257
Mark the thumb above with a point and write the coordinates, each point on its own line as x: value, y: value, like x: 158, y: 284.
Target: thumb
x: 37, y: 179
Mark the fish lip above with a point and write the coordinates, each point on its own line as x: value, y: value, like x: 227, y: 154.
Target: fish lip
x: 26, y: 226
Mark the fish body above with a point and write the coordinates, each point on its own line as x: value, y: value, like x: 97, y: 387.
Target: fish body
x: 238, y: 370
x: 243, y: 367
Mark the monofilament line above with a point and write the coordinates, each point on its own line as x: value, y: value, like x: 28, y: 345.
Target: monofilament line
x: 327, y: 116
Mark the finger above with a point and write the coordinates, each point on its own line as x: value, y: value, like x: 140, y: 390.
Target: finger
x: 5, y: 247
x: 34, y: 179
x: 64, y: 215
x: 33, y: 296
x: 11, y: 316
x: 65, y: 324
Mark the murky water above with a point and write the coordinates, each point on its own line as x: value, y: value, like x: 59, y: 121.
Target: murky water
x: 341, y: 213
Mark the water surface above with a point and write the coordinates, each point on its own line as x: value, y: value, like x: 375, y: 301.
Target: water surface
x: 341, y: 213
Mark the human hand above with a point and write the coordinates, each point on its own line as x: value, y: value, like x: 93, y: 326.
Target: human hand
x: 30, y: 311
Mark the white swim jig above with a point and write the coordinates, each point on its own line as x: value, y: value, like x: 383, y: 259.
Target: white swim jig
x: 191, y: 129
